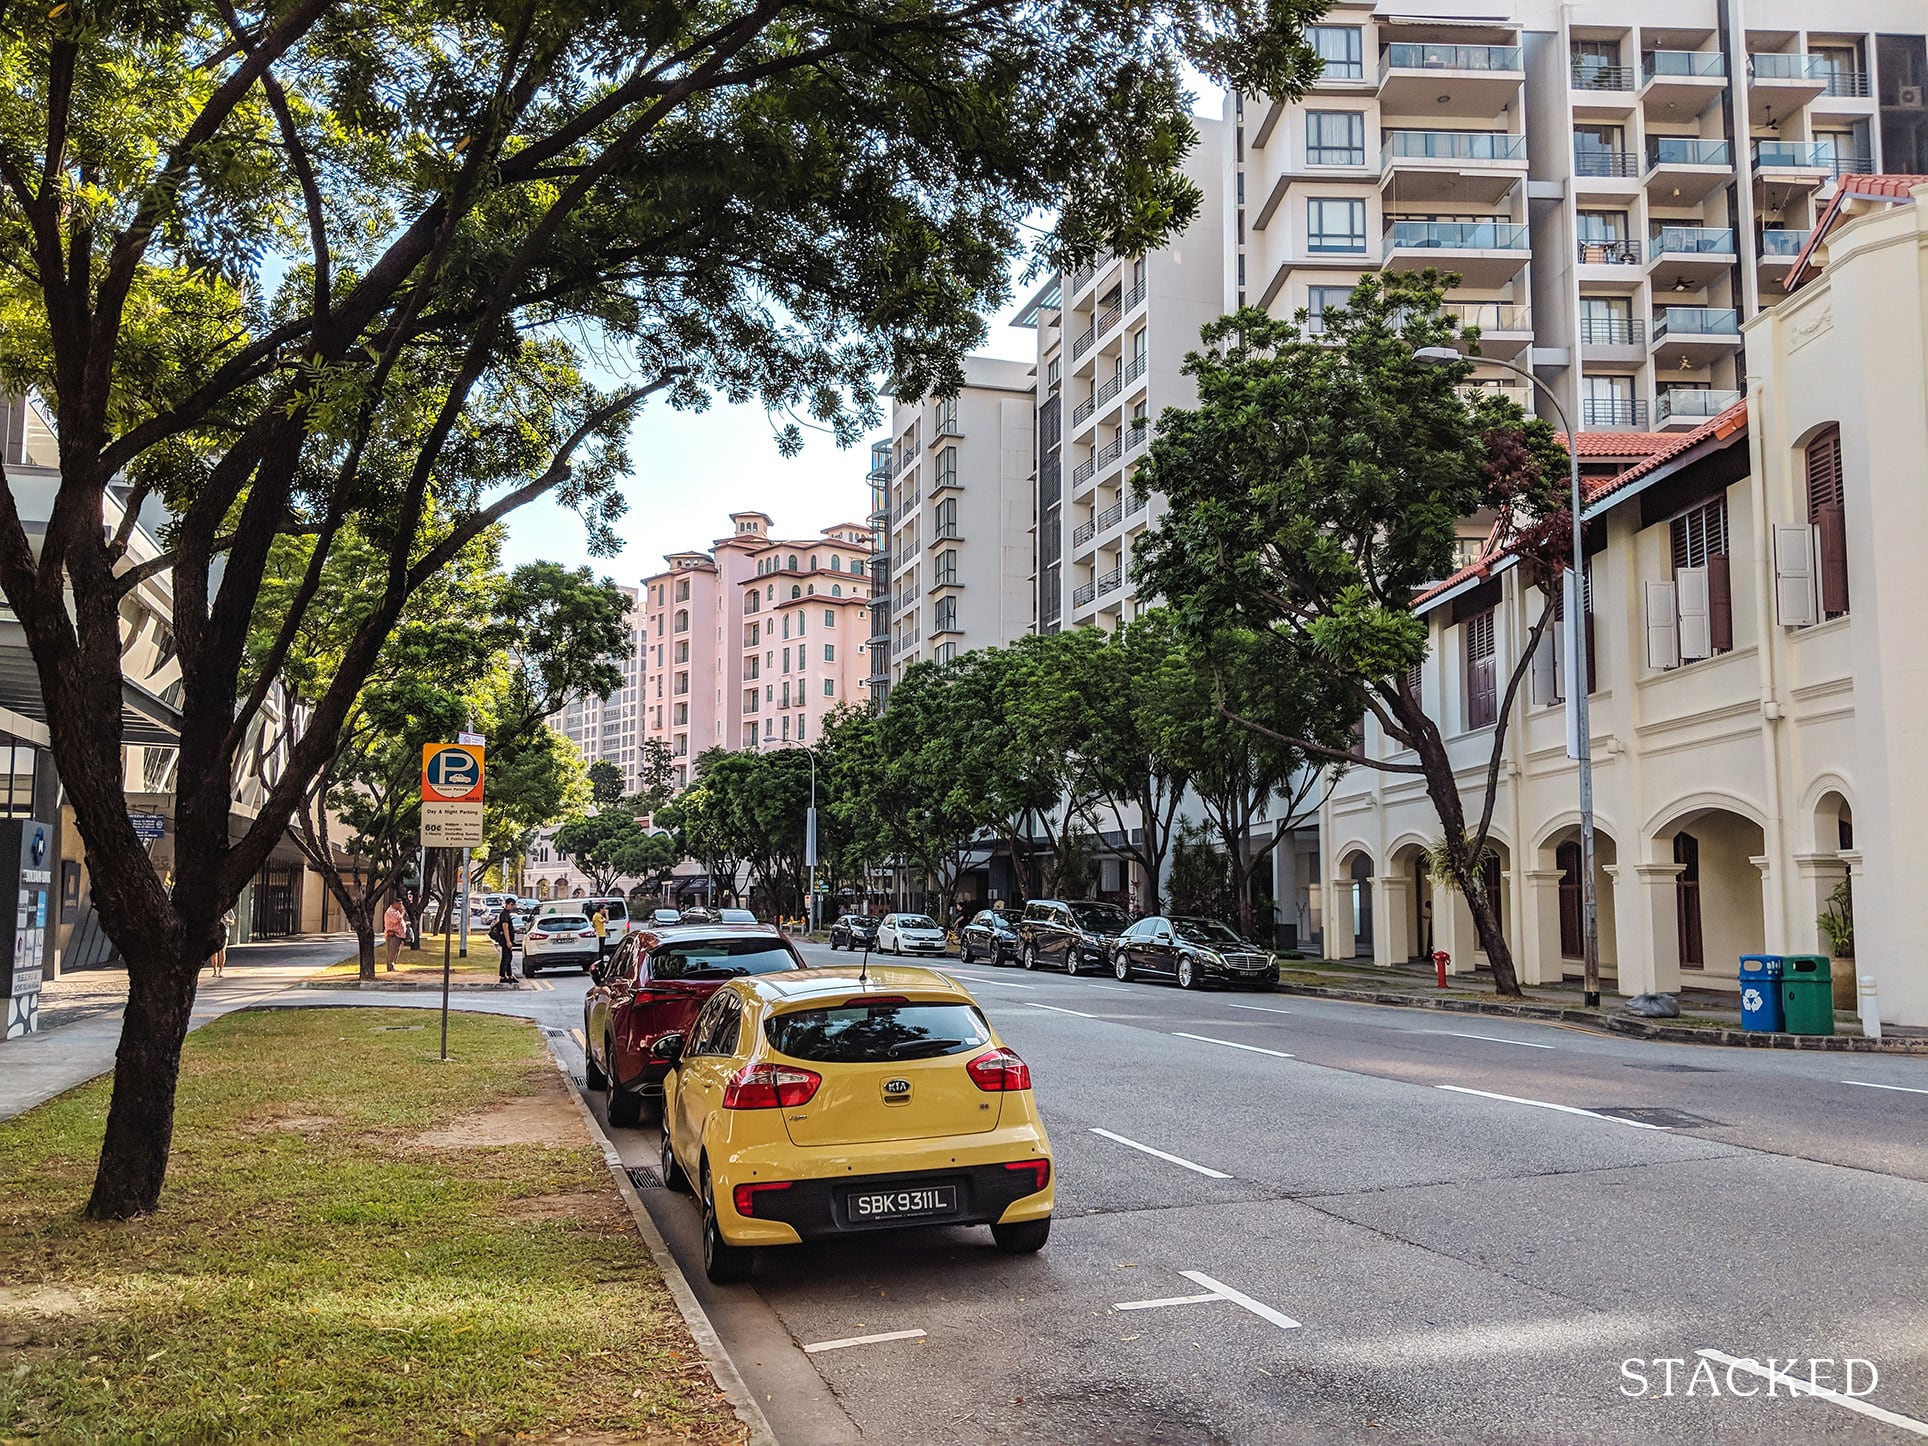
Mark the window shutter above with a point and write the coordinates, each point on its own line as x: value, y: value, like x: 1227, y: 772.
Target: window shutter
x: 1831, y: 530
x: 1794, y: 575
x: 1690, y: 592
x: 1546, y: 665
x: 1825, y: 483
x: 1481, y: 691
x: 1663, y: 629
x: 1720, y: 604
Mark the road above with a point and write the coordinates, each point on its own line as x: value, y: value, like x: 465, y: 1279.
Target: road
x: 1283, y: 1219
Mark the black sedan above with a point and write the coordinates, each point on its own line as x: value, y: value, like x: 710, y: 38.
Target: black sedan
x: 1191, y: 951
x: 992, y: 934
x: 853, y: 932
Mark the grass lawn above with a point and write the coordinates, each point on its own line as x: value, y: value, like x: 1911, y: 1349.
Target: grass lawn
x: 423, y: 965
x: 357, y: 1242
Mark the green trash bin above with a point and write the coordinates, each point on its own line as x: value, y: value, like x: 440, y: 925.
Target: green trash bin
x: 1807, y: 994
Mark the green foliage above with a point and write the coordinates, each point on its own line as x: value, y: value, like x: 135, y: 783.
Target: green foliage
x: 605, y: 782
x: 1836, y: 921
x: 1201, y: 878
x: 610, y: 845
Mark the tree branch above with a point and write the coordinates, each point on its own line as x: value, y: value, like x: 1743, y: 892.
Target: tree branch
x: 1336, y: 754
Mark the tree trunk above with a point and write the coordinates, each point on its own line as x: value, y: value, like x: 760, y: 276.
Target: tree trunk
x: 1443, y: 788
x: 1492, y: 936
x: 147, y: 1067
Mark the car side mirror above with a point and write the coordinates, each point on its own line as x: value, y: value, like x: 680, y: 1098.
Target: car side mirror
x: 668, y: 1049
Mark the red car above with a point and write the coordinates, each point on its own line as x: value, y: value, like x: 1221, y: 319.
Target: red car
x: 653, y: 985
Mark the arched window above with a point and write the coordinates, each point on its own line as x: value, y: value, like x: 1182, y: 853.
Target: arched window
x: 836, y: 589
x: 813, y: 562
x: 836, y: 563
x: 793, y: 562
x: 795, y: 591
x: 682, y: 620
x: 811, y: 590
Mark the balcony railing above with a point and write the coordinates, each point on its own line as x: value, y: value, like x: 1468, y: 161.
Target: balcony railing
x: 1595, y: 162
x: 1135, y: 369
x: 1103, y: 457
x: 1113, y: 580
x: 1083, y: 594
x: 1490, y: 315
x: 1783, y: 243
x: 1111, y: 516
x: 1845, y: 82
x: 1612, y: 412
x: 1603, y: 77
x: 1135, y: 501
x: 1136, y: 435
x: 1457, y: 235
x: 1674, y: 63
x: 1084, y: 273
x: 1612, y: 331
x: 1410, y: 56
x: 1452, y: 146
x: 1698, y: 403
x: 1687, y: 151
x: 1693, y: 321
x: 1622, y: 251
x: 1083, y: 343
x: 1852, y: 166
x: 1103, y: 393
x: 1083, y: 533
x: 1693, y: 240
x: 907, y: 506
x: 1794, y: 155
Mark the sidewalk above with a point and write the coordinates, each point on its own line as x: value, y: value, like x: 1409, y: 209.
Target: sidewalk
x: 88, y: 1005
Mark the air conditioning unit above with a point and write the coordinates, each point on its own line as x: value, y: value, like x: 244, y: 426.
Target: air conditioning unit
x: 1909, y: 97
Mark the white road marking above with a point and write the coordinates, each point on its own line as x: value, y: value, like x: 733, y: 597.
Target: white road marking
x: 1056, y: 1010
x: 1232, y: 1044
x: 1206, y: 1170
x: 1168, y: 1300
x: 1871, y: 1085
x: 1262, y: 1311
x: 862, y: 1341
x: 1114, y: 988
x: 1258, y: 1008
x: 1545, y: 1105
x: 1798, y: 1387
x: 999, y: 983
x: 1489, y: 1038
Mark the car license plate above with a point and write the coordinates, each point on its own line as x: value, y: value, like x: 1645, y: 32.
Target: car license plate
x: 895, y: 1204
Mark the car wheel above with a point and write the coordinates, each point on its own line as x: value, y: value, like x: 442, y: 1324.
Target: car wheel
x: 1022, y: 1237
x: 1121, y: 967
x: 625, y: 1109
x: 1188, y: 975
x: 672, y: 1173
x: 592, y: 1075
x: 964, y: 954
x: 1030, y: 956
x: 724, y: 1263
x: 1073, y: 961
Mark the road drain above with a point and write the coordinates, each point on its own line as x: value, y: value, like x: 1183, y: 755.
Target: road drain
x: 644, y: 1178
x: 1654, y: 1115
x: 1667, y: 1068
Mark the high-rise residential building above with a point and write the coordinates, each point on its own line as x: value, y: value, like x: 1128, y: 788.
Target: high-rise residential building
x: 1618, y: 186
x: 605, y: 729
x: 805, y: 618
x: 958, y: 559
x: 1112, y: 340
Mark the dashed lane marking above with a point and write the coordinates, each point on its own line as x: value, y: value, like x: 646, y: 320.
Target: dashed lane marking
x: 1232, y: 1044
x: 1798, y: 1387
x: 1180, y: 1160
x: 1871, y: 1085
x: 1055, y: 1009
x: 1168, y: 1300
x: 1257, y: 1008
x: 849, y: 1341
x: 1490, y: 1038
x: 1548, y: 1105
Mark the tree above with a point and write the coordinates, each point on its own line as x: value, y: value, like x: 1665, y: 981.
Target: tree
x: 655, y: 768
x: 605, y: 783
x: 1142, y: 700
x: 297, y: 270
x: 610, y: 844
x: 1314, y: 490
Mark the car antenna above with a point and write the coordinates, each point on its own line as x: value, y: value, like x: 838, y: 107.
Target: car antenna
x: 863, y: 969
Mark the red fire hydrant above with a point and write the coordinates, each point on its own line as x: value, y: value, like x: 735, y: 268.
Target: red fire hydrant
x: 1440, y: 960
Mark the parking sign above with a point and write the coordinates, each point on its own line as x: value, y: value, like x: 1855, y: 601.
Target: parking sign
x: 451, y: 773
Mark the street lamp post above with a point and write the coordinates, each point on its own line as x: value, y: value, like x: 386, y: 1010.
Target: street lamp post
x: 1576, y: 637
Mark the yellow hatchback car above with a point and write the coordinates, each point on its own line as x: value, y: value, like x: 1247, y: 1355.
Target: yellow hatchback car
x: 833, y: 1101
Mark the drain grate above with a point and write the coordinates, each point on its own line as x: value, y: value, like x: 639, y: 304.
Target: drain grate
x: 644, y: 1178
x: 1654, y: 1115
x: 1666, y: 1068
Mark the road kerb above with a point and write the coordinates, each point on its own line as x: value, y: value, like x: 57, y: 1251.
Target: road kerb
x: 729, y: 1380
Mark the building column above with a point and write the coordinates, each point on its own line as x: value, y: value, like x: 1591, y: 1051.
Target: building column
x: 1537, y: 955
x: 1453, y: 930
x: 1646, y: 899
x: 1815, y: 877
x: 1339, y: 942
x: 1392, y: 921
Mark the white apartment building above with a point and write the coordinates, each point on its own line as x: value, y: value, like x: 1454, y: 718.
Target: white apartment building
x: 1619, y: 186
x: 953, y: 521
x: 1759, y: 721
x: 608, y: 729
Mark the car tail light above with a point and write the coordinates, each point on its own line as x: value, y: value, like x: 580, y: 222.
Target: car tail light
x: 997, y: 1070
x: 770, y: 1087
x: 745, y: 1195
x: 874, y: 1001
x: 1040, y: 1171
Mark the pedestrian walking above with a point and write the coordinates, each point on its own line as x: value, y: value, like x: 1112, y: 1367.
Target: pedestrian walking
x: 503, y: 932
x: 599, y: 921
x: 394, y: 930
x: 218, y: 960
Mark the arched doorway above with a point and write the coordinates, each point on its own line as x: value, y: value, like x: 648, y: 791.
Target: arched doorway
x: 1562, y: 930
x: 1717, y: 913
x: 1359, y: 874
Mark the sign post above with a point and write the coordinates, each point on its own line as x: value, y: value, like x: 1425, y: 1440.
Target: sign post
x: 452, y: 819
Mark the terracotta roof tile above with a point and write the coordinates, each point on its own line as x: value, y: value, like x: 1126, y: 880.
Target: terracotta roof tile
x: 1620, y: 444
x: 1891, y: 188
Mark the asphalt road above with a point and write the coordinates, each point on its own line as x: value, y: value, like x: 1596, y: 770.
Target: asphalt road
x: 1363, y: 1223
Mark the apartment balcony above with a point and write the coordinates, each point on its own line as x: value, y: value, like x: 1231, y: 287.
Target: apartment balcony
x: 1134, y: 503
x: 1778, y: 85
x: 1778, y: 249
x: 1098, y: 461
x: 1110, y: 517
x: 1805, y: 165
x: 1845, y: 84
x: 1685, y: 170
x: 1519, y: 393
x: 1612, y: 414
x: 1083, y: 533
x: 1684, y: 408
x: 1615, y: 173
x: 1082, y: 595
x: 1695, y: 333
x: 1607, y: 341
x: 1505, y: 329
x: 1680, y: 84
x: 1621, y: 251
x: 1484, y: 253
x: 1614, y: 80
x: 1693, y: 255
x: 1471, y: 80
x: 1465, y: 167
x: 1101, y: 394
x: 1110, y: 581
x: 1085, y: 275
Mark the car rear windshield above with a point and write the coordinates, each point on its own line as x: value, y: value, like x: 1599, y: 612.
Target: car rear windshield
x: 1101, y: 918
x: 1205, y: 931
x: 558, y: 922
x: 877, y: 1033
x: 719, y: 958
x: 915, y: 921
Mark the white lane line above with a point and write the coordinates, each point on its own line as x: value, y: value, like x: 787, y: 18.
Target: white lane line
x: 1259, y: 1008
x: 1056, y: 1010
x: 999, y: 983
x: 1489, y: 1038
x: 1205, y: 1170
x: 1262, y: 1311
x: 848, y: 1341
x: 1798, y: 1387
x: 1113, y: 988
x: 1168, y: 1300
x: 1232, y: 1044
x: 1545, y: 1105
x: 1871, y: 1085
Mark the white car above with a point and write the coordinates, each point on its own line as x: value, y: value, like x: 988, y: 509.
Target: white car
x: 559, y: 941
x: 911, y: 934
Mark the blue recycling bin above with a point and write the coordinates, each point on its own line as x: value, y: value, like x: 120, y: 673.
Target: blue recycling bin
x: 1761, y: 992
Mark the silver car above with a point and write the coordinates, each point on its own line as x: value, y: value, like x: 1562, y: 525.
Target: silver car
x: 911, y: 934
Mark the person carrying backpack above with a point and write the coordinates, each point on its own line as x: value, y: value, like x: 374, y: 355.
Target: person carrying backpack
x: 503, y: 932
